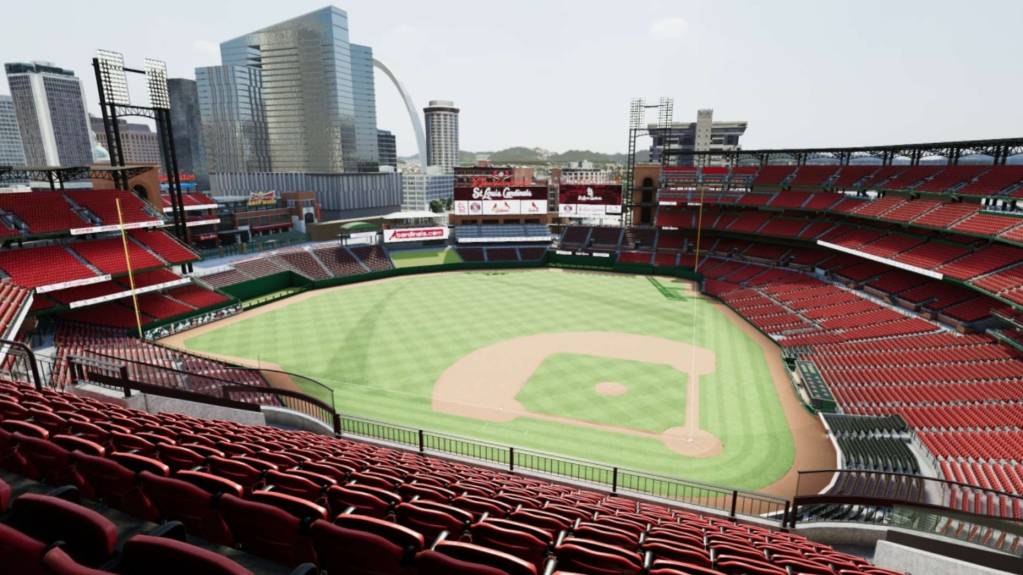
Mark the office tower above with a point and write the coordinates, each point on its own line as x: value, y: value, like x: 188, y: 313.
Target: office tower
x: 388, y: 148
x: 11, y: 152
x: 187, y: 127
x: 234, y: 130
x: 50, y: 109
x: 310, y: 79
x: 141, y: 143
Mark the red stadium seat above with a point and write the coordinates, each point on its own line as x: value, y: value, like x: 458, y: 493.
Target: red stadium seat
x: 178, y: 500
x: 20, y: 553
x: 429, y: 522
x: 267, y: 531
x: 362, y: 545
x: 88, y: 536
x: 528, y: 543
x: 586, y: 558
x: 114, y: 484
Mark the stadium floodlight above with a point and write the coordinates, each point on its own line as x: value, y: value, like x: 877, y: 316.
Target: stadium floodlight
x: 156, y: 79
x: 111, y: 66
x: 637, y: 111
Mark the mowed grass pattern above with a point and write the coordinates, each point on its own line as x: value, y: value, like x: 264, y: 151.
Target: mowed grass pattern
x: 382, y: 346
x: 565, y: 385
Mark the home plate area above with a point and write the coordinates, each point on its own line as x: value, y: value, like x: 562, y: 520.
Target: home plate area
x: 634, y: 384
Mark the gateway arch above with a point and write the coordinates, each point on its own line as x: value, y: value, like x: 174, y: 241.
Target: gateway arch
x: 410, y: 106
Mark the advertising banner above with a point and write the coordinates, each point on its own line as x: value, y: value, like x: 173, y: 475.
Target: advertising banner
x: 589, y: 200
x: 496, y: 200
x: 415, y: 234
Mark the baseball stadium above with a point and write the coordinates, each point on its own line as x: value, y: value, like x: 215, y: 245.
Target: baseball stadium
x: 776, y: 365
x: 698, y: 361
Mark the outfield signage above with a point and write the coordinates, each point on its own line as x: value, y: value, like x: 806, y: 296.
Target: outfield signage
x: 193, y: 223
x: 126, y: 293
x: 415, y: 234
x: 116, y: 227
x: 500, y: 200
x: 589, y: 200
x: 73, y: 283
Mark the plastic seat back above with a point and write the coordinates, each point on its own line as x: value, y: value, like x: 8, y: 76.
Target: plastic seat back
x: 344, y: 549
x: 267, y: 531
x: 522, y: 541
x: 21, y: 553
x: 145, y: 555
x: 114, y: 484
x: 178, y: 500
x: 481, y: 555
x: 88, y: 536
x: 46, y: 461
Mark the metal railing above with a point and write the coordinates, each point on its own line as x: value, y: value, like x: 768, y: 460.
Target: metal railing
x: 732, y: 502
x: 972, y: 513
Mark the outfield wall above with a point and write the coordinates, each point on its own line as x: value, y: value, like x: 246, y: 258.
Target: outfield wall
x: 277, y: 282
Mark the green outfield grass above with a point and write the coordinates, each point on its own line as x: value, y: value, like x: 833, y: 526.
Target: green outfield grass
x: 425, y: 257
x: 383, y: 345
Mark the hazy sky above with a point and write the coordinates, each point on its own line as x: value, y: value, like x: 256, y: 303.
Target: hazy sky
x: 560, y: 74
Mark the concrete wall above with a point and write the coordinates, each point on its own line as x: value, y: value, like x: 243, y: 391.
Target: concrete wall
x: 916, y: 562
x: 160, y: 404
x: 288, y: 419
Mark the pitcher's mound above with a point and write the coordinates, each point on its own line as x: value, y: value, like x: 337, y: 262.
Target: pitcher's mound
x: 611, y: 388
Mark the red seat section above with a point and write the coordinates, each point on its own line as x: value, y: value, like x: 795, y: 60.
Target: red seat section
x: 43, y: 266
x: 42, y: 212
x: 164, y: 245
x: 108, y: 255
x: 102, y: 204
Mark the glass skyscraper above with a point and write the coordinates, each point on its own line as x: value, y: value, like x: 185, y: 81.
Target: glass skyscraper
x: 317, y: 93
x: 234, y: 130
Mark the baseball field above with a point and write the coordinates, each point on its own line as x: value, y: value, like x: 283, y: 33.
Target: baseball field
x: 626, y: 370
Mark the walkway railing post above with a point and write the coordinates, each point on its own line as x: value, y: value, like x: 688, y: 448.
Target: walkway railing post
x: 421, y: 442
x: 337, y: 424
x: 511, y: 459
x: 614, y: 480
x: 735, y: 498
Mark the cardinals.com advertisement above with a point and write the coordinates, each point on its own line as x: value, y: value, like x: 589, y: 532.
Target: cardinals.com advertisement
x: 415, y: 234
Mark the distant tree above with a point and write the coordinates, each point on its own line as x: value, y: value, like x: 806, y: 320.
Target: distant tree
x: 437, y: 206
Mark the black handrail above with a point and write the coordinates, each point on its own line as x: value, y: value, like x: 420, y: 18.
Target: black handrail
x: 30, y: 356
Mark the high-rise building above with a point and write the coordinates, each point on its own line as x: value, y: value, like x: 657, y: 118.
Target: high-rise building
x: 11, y: 152
x: 234, y: 130
x: 419, y: 189
x: 364, y: 92
x: 309, y: 81
x: 441, y: 134
x: 187, y: 127
x: 387, y: 147
x: 703, y: 135
x: 50, y: 108
x: 141, y: 144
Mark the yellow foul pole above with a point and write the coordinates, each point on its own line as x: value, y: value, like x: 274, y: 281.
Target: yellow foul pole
x: 127, y: 261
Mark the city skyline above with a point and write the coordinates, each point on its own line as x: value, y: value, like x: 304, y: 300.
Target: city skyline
x: 801, y: 73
